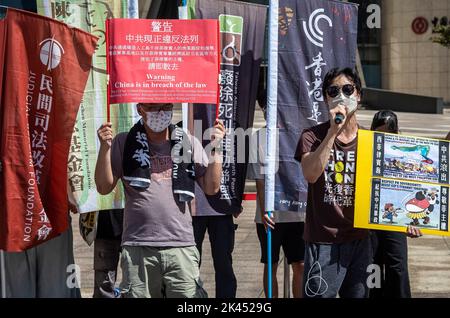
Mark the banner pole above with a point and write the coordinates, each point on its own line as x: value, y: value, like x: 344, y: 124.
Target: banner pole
x: 218, y: 70
x: 108, y: 105
x: 269, y: 259
x: 183, y: 15
x: 2, y: 274
x: 271, y: 149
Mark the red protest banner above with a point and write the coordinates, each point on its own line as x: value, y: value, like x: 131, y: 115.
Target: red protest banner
x: 44, y: 74
x: 160, y: 61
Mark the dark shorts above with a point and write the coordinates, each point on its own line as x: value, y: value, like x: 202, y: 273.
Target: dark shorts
x: 286, y: 235
x: 337, y: 269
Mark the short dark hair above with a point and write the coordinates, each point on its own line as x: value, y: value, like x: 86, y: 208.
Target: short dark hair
x: 385, y: 117
x: 336, y: 72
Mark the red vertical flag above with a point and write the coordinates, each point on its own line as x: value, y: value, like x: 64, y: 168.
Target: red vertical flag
x: 45, y: 66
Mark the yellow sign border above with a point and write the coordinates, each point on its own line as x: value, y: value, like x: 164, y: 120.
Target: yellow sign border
x: 363, y: 192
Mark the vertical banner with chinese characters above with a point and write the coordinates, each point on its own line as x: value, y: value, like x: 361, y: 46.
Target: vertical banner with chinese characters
x: 91, y: 15
x: 401, y: 181
x: 242, y: 27
x: 44, y: 76
x: 313, y: 37
x: 156, y: 61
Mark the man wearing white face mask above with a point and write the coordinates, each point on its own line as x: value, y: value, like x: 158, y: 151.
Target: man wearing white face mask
x: 158, y: 165
x: 337, y: 254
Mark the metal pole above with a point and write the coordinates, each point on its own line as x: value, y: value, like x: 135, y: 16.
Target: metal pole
x: 270, y: 157
x: 287, y: 279
x: 2, y: 275
x: 183, y: 15
x: 185, y: 116
x: 269, y: 259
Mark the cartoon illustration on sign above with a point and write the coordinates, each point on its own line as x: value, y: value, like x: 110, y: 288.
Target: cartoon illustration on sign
x: 403, y: 204
x: 390, y: 211
x: 411, y: 159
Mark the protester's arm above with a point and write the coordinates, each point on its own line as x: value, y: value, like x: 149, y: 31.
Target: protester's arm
x: 260, y: 188
x: 256, y: 172
x: 261, y: 196
x: 72, y: 207
x: 210, y: 181
x: 104, y: 178
x: 314, y: 163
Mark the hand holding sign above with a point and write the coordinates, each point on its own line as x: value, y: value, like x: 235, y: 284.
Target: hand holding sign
x: 105, y: 135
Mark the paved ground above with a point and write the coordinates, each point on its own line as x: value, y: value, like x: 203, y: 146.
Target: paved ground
x: 429, y: 257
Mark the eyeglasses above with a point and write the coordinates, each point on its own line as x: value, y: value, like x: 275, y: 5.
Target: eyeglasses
x: 154, y: 108
x: 347, y: 89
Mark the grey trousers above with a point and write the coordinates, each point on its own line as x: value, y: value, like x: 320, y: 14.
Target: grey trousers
x: 337, y: 269
x: 106, y: 260
x: 45, y: 271
x: 156, y: 272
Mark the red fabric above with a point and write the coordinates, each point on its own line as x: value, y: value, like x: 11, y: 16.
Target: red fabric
x: 45, y: 68
x: 163, y: 61
x: 249, y: 197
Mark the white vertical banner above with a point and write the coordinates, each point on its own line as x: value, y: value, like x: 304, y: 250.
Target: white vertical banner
x: 183, y: 15
x: 272, y: 89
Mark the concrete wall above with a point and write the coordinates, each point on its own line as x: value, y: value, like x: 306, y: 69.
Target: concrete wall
x: 411, y: 63
x: 378, y: 99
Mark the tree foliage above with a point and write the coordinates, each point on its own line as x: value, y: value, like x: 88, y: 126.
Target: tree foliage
x: 442, y: 35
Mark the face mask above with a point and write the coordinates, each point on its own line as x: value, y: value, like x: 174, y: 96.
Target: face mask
x: 158, y: 121
x: 350, y: 102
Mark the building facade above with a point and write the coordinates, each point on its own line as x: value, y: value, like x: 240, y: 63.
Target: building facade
x: 410, y: 61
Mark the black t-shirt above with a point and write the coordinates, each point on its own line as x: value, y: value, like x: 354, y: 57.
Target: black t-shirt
x: 330, y: 207
x: 110, y: 224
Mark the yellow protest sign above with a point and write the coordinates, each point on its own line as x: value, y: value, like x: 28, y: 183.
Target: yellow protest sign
x: 400, y: 181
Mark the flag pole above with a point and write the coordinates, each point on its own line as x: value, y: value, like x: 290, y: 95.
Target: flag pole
x: 269, y: 259
x: 108, y: 87
x: 271, y: 150
x: 218, y: 70
x: 2, y: 275
x: 183, y: 15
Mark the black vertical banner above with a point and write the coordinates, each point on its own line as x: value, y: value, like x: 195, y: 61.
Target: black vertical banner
x: 443, y: 213
x: 242, y: 27
x: 378, y: 154
x: 443, y: 162
x: 314, y: 36
x: 375, y: 199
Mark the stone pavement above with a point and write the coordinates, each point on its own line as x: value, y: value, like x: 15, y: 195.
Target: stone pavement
x: 429, y: 256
